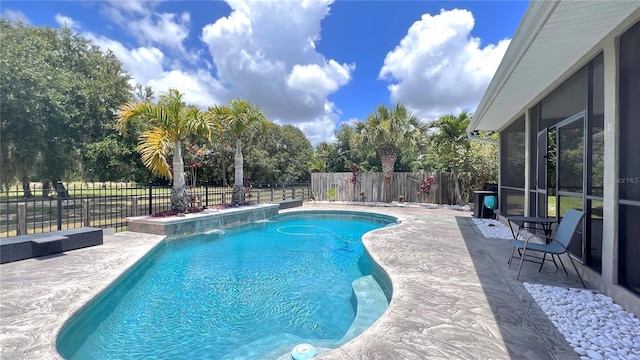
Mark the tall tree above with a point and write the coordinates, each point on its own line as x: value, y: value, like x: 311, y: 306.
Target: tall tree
x: 451, y: 144
x: 171, y: 122
x: 222, y: 148
x: 239, y: 116
x: 342, y: 155
x: 294, y: 165
x: 388, y: 130
x: 114, y: 157
x: 483, y: 160
x: 58, y: 95
x: 322, y: 154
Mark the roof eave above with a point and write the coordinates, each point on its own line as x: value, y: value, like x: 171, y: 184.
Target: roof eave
x: 532, y: 22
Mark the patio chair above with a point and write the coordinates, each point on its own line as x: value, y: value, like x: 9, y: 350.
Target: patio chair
x: 555, y: 245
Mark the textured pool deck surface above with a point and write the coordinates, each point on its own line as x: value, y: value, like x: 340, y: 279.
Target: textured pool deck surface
x: 453, y: 295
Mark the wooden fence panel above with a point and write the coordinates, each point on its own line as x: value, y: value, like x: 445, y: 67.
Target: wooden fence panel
x: 371, y: 187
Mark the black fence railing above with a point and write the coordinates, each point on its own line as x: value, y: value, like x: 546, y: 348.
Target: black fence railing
x: 107, y: 205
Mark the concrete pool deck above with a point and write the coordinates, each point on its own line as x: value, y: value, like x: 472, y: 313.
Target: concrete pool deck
x: 453, y: 295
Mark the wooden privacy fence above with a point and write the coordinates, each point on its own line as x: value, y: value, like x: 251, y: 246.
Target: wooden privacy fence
x: 370, y: 187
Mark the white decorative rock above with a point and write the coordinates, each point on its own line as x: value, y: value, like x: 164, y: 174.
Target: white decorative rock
x: 593, y: 324
x: 607, y: 344
x: 580, y: 351
x: 623, y: 352
x: 594, y: 355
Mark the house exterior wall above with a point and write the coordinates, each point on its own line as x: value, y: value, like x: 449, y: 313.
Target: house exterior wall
x: 625, y: 189
x: 607, y: 280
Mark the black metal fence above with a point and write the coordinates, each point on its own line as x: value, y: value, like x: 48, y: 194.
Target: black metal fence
x: 107, y: 205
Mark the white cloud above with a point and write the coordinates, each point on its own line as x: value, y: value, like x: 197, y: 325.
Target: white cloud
x: 319, y: 80
x: 67, y: 21
x: 438, y: 67
x: 143, y: 63
x: 15, y: 15
x: 321, y: 128
x: 161, y: 62
x: 164, y: 28
x: 133, y: 6
x: 147, y: 66
x: 265, y: 51
x: 199, y: 87
x: 150, y: 27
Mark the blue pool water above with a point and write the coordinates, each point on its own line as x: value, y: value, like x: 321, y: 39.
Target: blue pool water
x: 248, y: 291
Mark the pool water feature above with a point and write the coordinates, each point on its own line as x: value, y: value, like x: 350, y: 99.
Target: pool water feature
x: 242, y: 293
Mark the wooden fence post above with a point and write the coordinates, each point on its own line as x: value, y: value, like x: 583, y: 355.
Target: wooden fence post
x: 22, y: 219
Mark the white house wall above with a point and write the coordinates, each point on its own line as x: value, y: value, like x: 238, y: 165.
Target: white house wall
x: 527, y: 85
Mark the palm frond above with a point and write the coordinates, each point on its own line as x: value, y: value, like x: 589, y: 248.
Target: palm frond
x: 200, y: 124
x: 244, y: 115
x: 129, y: 112
x: 153, y: 146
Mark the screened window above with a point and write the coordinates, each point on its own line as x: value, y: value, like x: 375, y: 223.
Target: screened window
x: 630, y: 114
x: 512, y: 163
x: 512, y: 155
x: 629, y: 161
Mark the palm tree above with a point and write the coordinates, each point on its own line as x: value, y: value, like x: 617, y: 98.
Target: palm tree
x: 237, y: 118
x: 170, y: 122
x: 451, y: 143
x: 389, y: 130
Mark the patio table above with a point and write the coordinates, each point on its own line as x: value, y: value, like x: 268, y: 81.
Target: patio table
x: 546, y: 224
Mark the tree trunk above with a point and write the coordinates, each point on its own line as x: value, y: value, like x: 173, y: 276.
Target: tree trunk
x: 238, y: 183
x: 239, y: 163
x: 61, y: 191
x: 388, y: 163
x: 179, y: 195
x: 46, y: 188
x: 237, y: 197
x: 26, y: 187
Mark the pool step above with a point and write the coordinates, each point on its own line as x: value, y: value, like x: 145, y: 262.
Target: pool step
x: 256, y: 349
x: 369, y: 304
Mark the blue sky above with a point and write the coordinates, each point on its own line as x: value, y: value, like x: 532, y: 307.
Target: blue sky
x: 312, y: 63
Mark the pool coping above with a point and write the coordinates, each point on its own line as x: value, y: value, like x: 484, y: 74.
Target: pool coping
x: 441, y: 307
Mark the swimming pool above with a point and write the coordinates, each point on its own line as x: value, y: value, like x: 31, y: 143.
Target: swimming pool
x: 250, y: 291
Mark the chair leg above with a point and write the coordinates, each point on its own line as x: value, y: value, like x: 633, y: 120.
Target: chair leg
x: 544, y: 257
x: 576, y: 270
x: 554, y: 261
x: 524, y: 251
x: 511, y: 257
x: 561, y: 263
